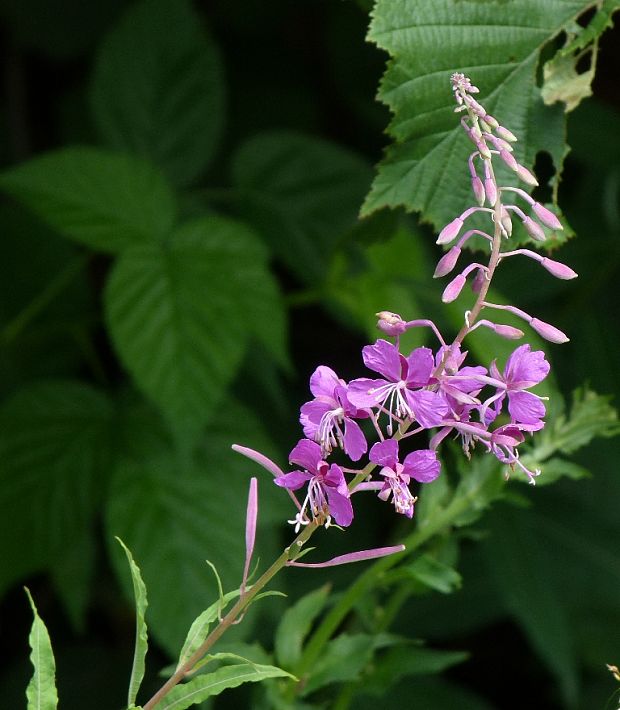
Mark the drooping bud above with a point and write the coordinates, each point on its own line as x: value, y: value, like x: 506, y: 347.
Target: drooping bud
x: 478, y: 280
x: 491, y: 190
x: 549, y: 332
x: 453, y: 289
x: 509, y: 159
x: 525, y: 175
x: 478, y: 190
x: 505, y: 134
x: 546, y: 216
x: 450, y: 231
x: 534, y: 229
x: 508, y: 331
x: 559, y: 270
x: 447, y: 262
x: 506, y: 222
x: 390, y: 323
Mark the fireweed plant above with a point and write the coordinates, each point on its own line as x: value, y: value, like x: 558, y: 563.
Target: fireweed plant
x: 431, y: 390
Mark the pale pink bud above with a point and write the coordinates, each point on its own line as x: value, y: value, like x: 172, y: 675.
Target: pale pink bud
x: 525, y: 175
x: 505, y: 134
x: 507, y: 331
x: 559, y: 270
x: 491, y: 121
x: 549, y: 332
x: 476, y: 133
x: 450, y: 231
x: 509, y: 159
x: 390, y: 323
x: 501, y: 144
x: 534, y: 229
x: 483, y: 149
x: 491, y: 190
x: 484, y: 125
x: 447, y: 262
x: 546, y: 216
x: 506, y: 221
x: 452, y: 290
x: 476, y: 284
x: 478, y: 190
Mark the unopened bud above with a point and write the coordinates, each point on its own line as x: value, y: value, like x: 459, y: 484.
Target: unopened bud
x: 491, y: 121
x: 505, y: 134
x: 484, y: 125
x: 506, y: 222
x: 478, y: 190
x: 534, y: 229
x: 546, y: 216
x: 549, y: 332
x: 476, y: 133
x: 507, y: 331
x: 491, y: 190
x: 525, y: 175
x: 452, y: 290
x: 390, y: 323
x: 478, y: 280
x: 447, y: 262
x: 559, y: 270
x: 483, y: 149
x: 509, y: 159
x: 450, y: 231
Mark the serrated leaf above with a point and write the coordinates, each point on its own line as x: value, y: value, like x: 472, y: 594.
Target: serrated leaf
x: 54, y: 448
x: 141, y: 642
x: 498, y: 45
x: 295, y: 625
x: 105, y: 200
x: 181, y: 315
x: 208, y: 685
x: 200, y: 627
x: 41, y: 692
x: 190, y: 510
x: 158, y: 88
x: 302, y: 193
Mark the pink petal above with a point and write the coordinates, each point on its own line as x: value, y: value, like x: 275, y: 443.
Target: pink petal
x: 293, y: 480
x: 385, y: 453
x: 307, y: 454
x: 355, y: 444
x: 429, y: 408
x: 419, y: 367
x: 384, y: 358
x: 525, y: 368
x: 323, y: 381
x: 311, y: 415
x: 340, y: 507
x: 525, y: 407
x: 422, y: 465
x: 358, y: 392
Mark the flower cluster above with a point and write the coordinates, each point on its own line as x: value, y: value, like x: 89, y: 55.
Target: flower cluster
x: 432, y: 390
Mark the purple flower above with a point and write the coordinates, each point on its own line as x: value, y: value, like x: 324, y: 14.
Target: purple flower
x: 328, y: 418
x: 399, y: 392
x: 524, y: 369
x: 420, y: 465
x: 328, y: 495
x: 503, y: 444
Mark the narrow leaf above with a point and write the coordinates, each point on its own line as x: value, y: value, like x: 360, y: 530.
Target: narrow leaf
x: 141, y: 644
x: 41, y: 692
x: 206, y: 686
x: 105, y: 200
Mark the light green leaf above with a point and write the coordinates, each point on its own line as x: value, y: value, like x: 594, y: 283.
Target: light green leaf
x: 141, y: 643
x: 302, y: 193
x: 200, y: 627
x: 208, y: 685
x: 434, y: 574
x: 498, y: 45
x: 158, y: 89
x: 41, y: 692
x: 190, y: 510
x: 105, y: 200
x: 181, y: 315
x: 295, y: 625
x: 55, y: 451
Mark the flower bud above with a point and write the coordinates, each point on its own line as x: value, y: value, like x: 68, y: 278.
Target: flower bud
x: 534, y: 229
x: 549, y: 332
x: 559, y: 270
x: 447, y: 262
x: 509, y: 159
x: 490, y: 190
x: 390, y: 323
x: 506, y: 222
x: 478, y: 190
x: 546, y: 216
x: 491, y: 121
x: 484, y: 125
x: 525, y: 175
x: 483, y: 149
x: 450, y: 231
x: 507, y: 331
x: 476, y: 284
x: 452, y: 290
x: 505, y: 134
x: 476, y: 133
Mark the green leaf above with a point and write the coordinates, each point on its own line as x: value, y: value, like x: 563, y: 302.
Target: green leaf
x: 200, y: 627
x: 55, y: 450
x: 41, y: 692
x: 208, y: 685
x: 105, y: 200
x: 408, y: 660
x: 434, y: 574
x: 498, y: 45
x: 158, y: 88
x: 190, y: 509
x: 141, y: 643
x: 302, y: 193
x: 295, y: 625
x: 520, y: 567
x: 181, y: 315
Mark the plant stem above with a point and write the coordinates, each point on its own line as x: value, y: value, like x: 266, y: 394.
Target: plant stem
x: 241, y: 605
